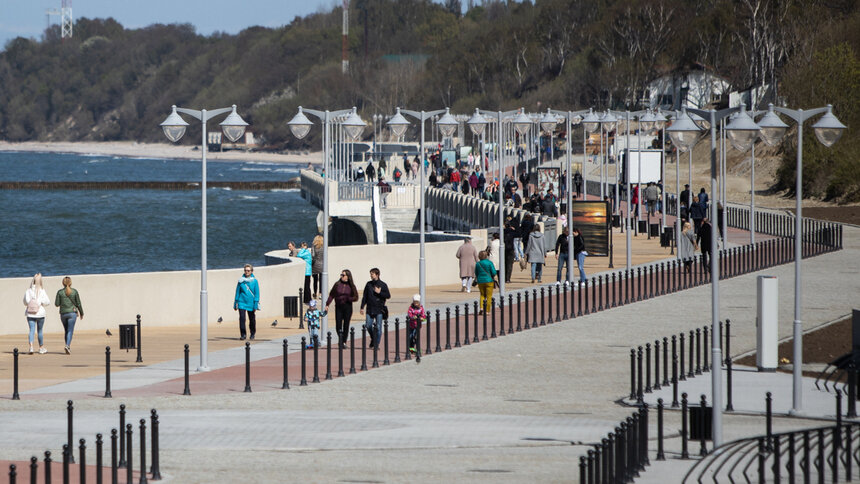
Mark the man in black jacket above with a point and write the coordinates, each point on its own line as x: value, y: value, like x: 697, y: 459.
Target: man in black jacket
x: 703, y: 238
x: 374, y: 296
x: 510, y: 234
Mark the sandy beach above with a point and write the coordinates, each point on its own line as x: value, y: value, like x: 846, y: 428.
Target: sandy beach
x: 134, y: 149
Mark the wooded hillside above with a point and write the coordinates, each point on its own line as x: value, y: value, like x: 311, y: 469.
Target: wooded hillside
x: 112, y: 83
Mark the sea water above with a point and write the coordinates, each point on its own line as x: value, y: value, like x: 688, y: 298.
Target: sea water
x: 60, y: 232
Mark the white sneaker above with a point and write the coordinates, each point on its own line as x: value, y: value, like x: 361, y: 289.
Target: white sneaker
x: 31, y: 349
x: 43, y: 350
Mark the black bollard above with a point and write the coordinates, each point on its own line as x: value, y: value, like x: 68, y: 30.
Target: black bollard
x: 376, y: 331
x: 285, y: 385
x: 304, y: 380
x: 546, y: 301
x: 614, y: 297
x: 429, y: 316
x: 703, y: 450
x: 155, y: 468
x: 638, y: 284
x: 768, y: 402
x: 66, y: 463
x: 691, y: 371
x: 139, y: 345
x: 525, y: 309
x: 660, y: 454
x: 406, y: 354
x: 447, y: 329
x: 632, y: 373
x: 535, y: 308
x: 593, y: 294
x: 340, y: 345
x: 352, y: 351
x: 129, y: 463
x: 705, y: 333
x: 647, y: 367
x: 396, y: 341
x: 247, y: 367
x: 99, y: 463
x: 674, y: 381
x: 328, y: 356
x: 475, y: 321
x: 681, y: 375
x: 47, y: 463
x: 511, y: 313
x: 684, y: 453
x: 142, y: 451
x: 728, y: 339
x: 301, y: 311
x: 466, y: 324
x: 484, y: 321
x: 639, y: 375
x: 107, y: 372
x: 34, y: 469
x: 316, y: 342
x: 13, y: 473
x: 729, y: 406
x: 70, y: 409
x: 385, y: 360
x: 665, y: 361
x: 456, y: 326
x: 698, y: 351
x: 501, y: 317
x: 564, y: 298
x: 363, y: 348
x: 583, y: 289
x: 15, y: 395
x: 600, y: 292
x: 121, y: 462
x: 656, y: 364
x: 519, y: 312
x: 187, y: 390
x: 558, y: 304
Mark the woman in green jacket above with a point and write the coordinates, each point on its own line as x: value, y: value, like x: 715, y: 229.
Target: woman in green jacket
x: 69, y: 302
x: 485, y: 276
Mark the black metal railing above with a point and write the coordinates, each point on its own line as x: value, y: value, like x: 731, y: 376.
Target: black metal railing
x: 620, y: 456
x: 121, y: 455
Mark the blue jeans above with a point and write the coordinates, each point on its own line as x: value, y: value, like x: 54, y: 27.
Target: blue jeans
x: 580, y: 261
x: 68, y: 320
x: 34, y: 322
x: 562, y: 261
x: 537, y: 269
x: 374, y: 326
x: 518, y: 248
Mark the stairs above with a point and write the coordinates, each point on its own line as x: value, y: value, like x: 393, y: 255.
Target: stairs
x: 401, y: 219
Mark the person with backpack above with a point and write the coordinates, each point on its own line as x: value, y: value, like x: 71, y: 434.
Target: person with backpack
x: 69, y: 302
x: 397, y: 174
x: 247, y: 301
x: 35, y: 298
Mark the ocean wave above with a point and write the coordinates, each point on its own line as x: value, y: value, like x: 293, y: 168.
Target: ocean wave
x: 245, y: 168
x: 285, y: 190
x: 249, y: 197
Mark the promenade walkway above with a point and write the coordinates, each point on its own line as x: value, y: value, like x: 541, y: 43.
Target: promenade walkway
x: 509, y: 409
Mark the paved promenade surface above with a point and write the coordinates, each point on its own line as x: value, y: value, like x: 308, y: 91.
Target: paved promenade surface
x: 511, y: 409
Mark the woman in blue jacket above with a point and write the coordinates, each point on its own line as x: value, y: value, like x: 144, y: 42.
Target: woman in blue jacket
x: 247, y: 300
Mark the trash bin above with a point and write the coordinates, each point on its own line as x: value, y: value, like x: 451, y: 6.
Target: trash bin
x: 616, y: 221
x: 696, y: 427
x: 655, y: 230
x: 643, y: 226
x: 291, y: 306
x: 667, y: 236
x: 127, y: 339
x: 767, y: 323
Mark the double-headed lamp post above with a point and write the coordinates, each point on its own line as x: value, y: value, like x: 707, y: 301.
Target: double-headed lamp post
x: 174, y: 128
x: 447, y: 125
x: 300, y: 126
x: 827, y: 130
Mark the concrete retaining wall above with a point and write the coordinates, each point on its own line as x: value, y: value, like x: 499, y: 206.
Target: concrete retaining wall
x: 161, y: 298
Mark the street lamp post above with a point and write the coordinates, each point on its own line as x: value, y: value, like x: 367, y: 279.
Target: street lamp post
x: 447, y: 127
x: 174, y: 128
x: 827, y: 130
x: 300, y: 126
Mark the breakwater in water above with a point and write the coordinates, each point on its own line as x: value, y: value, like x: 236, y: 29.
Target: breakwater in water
x: 148, y: 185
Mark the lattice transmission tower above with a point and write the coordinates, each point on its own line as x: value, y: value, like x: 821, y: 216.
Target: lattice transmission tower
x: 65, y: 14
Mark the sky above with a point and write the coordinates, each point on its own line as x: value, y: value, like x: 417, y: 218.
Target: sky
x: 26, y: 18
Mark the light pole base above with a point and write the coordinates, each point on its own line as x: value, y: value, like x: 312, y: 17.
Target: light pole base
x: 203, y: 368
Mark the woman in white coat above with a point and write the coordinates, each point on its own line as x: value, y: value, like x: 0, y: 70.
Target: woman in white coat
x: 35, y: 299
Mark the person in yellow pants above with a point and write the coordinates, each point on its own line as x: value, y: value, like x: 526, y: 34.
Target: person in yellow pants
x: 485, y: 276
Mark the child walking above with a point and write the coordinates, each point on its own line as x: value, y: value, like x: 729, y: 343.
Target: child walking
x: 312, y: 318
x: 414, y: 316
